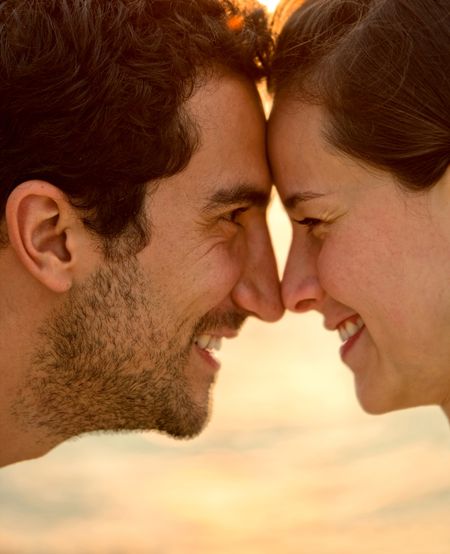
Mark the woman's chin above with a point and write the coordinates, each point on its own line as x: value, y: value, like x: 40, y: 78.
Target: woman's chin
x: 376, y: 402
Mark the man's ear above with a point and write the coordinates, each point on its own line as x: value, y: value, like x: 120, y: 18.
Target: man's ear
x: 42, y: 226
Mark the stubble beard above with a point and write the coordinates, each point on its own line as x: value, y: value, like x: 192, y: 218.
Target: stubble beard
x: 105, y: 364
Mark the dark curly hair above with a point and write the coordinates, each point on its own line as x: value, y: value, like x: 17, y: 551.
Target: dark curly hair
x: 381, y: 70
x: 92, y: 94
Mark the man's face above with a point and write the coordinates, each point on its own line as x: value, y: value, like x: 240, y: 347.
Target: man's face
x: 132, y: 346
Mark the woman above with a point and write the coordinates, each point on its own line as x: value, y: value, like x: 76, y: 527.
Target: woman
x: 359, y: 141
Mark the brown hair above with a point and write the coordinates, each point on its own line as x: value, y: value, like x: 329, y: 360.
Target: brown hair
x: 92, y: 94
x: 381, y: 70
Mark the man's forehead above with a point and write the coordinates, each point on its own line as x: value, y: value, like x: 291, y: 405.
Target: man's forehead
x: 222, y: 87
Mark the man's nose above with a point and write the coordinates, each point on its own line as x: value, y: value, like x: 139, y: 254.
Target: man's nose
x: 301, y: 290
x: 258, y: 289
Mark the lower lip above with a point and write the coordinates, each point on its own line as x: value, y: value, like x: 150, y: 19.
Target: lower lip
x: 205, y: 355
x: 348, y: 344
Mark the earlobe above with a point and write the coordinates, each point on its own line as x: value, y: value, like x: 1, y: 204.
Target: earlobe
x: 38, y: 219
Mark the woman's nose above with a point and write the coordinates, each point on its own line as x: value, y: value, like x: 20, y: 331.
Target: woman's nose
x: 300, y: 287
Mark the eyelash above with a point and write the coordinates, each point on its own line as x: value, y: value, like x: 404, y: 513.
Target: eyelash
x: 232, y: 216
x: 309, y: 222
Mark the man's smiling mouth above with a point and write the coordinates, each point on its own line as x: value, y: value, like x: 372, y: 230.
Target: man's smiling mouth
x: 209, y: 342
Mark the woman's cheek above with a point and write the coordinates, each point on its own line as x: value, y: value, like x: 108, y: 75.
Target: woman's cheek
x: 338, y: 271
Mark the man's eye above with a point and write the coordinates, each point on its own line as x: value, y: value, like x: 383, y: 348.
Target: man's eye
x: 233, y: 217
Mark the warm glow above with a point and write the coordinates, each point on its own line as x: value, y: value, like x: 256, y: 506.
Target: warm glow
x: 270, y: 4
x: 289, y: 464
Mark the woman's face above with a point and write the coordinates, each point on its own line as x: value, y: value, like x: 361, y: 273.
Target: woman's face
x: 373, y: 258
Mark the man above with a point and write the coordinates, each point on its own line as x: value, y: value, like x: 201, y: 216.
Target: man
x: 133, y: 189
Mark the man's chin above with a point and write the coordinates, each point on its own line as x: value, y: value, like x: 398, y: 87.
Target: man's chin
x: 183, y: 433
x: 186, y: 421
x: 187, y: 429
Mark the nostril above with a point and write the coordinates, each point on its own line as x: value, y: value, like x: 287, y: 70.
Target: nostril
x: 304, y: 305
x: 297, y: 302
x: 302, y: 294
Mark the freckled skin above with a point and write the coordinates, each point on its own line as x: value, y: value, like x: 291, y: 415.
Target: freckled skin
x: 377, y: 250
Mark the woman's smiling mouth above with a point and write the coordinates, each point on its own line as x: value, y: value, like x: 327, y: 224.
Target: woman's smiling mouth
x: 349, y: 331
x: 348, y: 328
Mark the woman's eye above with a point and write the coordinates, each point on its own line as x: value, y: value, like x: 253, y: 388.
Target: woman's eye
x: 309, y: 222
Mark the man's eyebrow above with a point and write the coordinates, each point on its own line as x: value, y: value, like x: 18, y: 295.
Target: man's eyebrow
x: 292, y: 201
x: 238, y: 194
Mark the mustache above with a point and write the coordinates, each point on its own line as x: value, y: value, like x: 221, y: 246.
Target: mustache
x: 216, y: 320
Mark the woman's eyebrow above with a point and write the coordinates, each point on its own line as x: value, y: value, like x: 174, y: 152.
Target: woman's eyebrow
x: 239, y: 194
x: 293, y: 200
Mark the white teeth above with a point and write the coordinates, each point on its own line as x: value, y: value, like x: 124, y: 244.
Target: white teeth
x: 217, y: 343
x: 208, y: 342
x: 350, y: 328
x: 203, y: 340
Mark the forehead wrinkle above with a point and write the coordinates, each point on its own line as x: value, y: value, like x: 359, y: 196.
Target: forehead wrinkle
x: 241, y: 193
